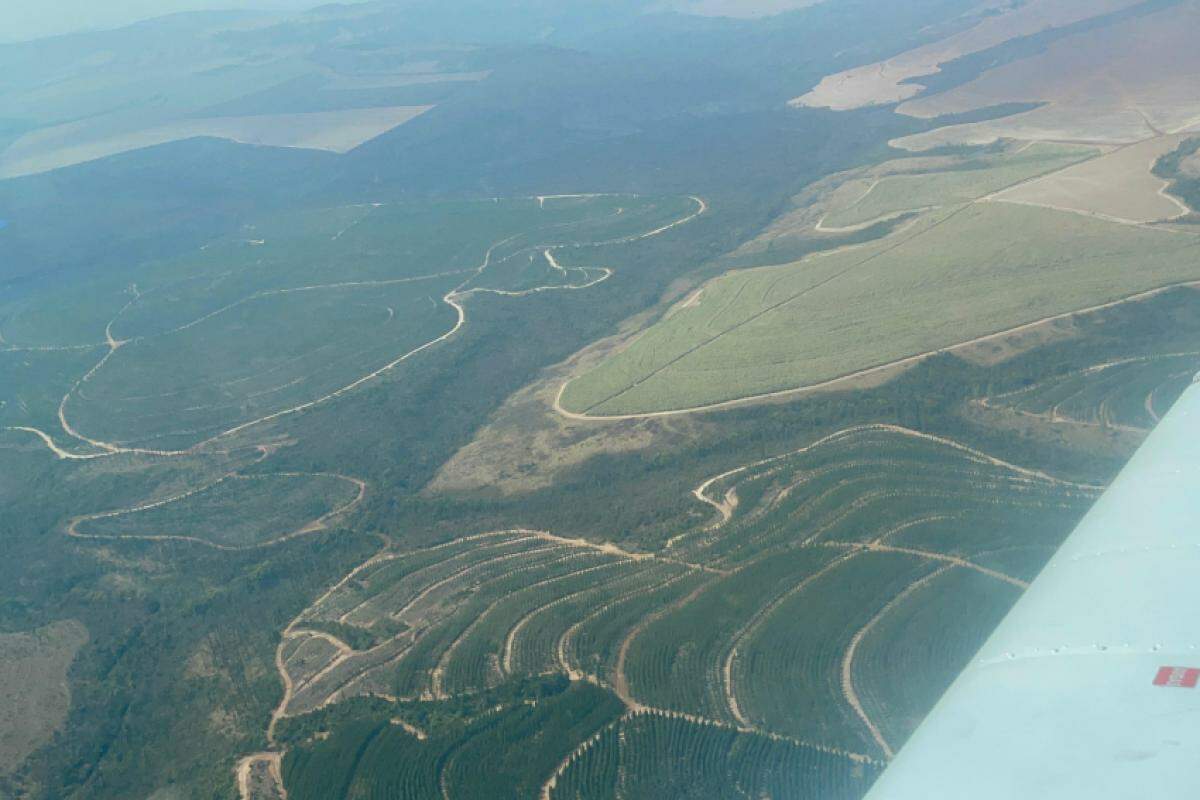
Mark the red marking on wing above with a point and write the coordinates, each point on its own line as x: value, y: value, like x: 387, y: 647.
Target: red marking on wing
x: 1177, y: 677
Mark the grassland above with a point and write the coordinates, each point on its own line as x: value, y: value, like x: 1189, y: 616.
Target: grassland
x: 954, y: 275
x: 1120, y: 82
x: 34, y: 695
x: 964, y: 181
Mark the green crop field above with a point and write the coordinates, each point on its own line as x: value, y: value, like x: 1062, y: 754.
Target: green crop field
x: 954, y: 275
x: 967, y: 180
x: 909, y: 641
x: 504, y: 750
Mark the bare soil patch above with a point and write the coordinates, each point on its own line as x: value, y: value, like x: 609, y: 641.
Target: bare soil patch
x: 34, y: 694
x: 1119, y: 83
x: 883, y: 81
x: 76, y: 142
x: 1118, y: 186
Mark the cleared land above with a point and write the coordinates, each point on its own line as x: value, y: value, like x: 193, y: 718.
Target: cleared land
x: 960, y: 182
x: 889, y: 81
x: 953, y: 276
x: 1118, y: 83
x: 1118, y: 186
x: 34, y: 695
x: 76, y: 142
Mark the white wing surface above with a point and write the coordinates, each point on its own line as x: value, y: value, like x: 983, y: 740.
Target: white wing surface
x: 1090, y: 687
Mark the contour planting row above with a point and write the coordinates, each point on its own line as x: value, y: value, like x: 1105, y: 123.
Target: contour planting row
x: 656, y: 755
x: 1128, y: 393
x: 465, y: 616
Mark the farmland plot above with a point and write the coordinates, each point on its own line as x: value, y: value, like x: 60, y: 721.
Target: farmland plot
x: 465, y: 616
x: 964, y: 181
x: 503, y: 750
x: 923, y: 289
x: 1118, y: 186
x: 1120, y: 82
x: 910, y: 640
x: 657, y: 755
x: 763, y: 629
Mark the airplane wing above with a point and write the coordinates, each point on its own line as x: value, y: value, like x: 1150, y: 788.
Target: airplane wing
x: 1090, y: 687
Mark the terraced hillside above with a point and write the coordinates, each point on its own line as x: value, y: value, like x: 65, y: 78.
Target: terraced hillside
x: 766, y: 630
x: 1130, y: 393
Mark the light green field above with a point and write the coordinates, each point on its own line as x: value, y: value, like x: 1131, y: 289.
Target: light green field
x: 972, y: 179
x: 953, y: 276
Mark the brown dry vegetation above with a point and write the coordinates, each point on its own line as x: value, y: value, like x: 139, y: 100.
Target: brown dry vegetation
x: 1118, y: 83
x: 34, y: 695
x: 76, y: 142
x: 883, y: 82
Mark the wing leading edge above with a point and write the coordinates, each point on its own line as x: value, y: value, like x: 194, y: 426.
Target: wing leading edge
x: 1090, y: 687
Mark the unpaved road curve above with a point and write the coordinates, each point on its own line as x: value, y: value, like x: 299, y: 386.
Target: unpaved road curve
x: 848, y: 692
x: 319, y: 524
x: 454, y: 298
x: 245, y: 769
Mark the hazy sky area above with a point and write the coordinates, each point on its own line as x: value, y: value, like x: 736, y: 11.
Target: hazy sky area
x: 21, y: 20
x: 29, y: 19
